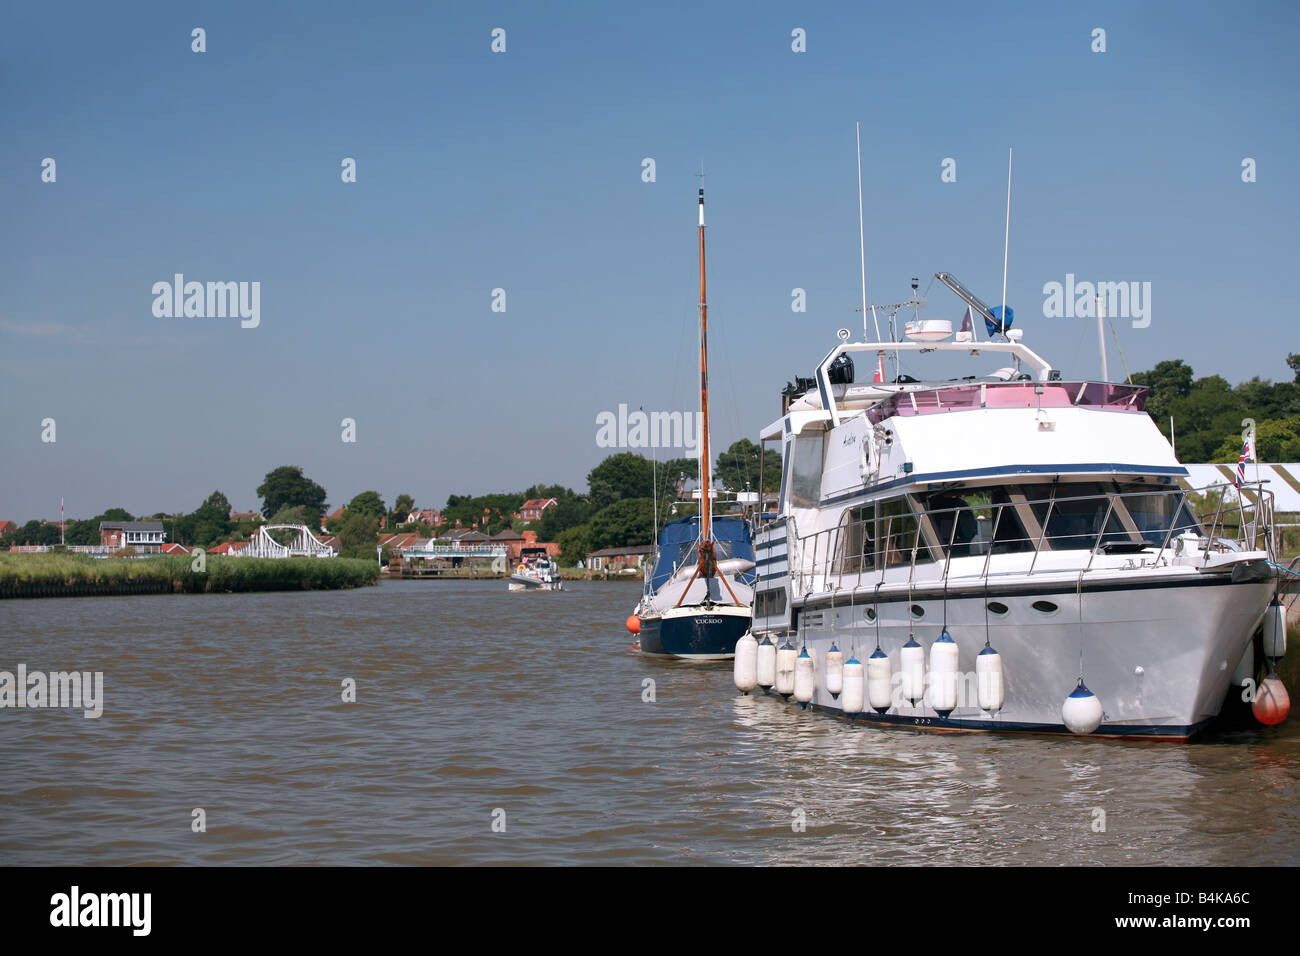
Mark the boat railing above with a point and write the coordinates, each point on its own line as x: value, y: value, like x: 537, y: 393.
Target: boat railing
x: 1145, y: 525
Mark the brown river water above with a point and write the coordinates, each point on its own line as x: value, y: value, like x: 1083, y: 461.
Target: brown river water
x: 476, y: 706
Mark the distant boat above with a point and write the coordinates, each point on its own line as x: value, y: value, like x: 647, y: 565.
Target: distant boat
x: 536, y: 572
x: 699, y: 598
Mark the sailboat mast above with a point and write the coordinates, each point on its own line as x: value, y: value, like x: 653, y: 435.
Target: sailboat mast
x: 706, y: 506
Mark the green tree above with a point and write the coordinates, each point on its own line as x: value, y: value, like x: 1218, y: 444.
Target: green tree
x: 368, y: 503
x: 82, y: 532
x: 1168, y: 381
x: 498, y: 509
x: 624, y: 523
x: 297, y: 514
x: 737, y: 467
x: 358, y: 534
x: 209, y: 524
x: 567, y: 513
x: 673, y: 471
x: 1276, y: 439
x: 575, y: 544
x: 287, y: 486
x: 403, y: 506
x: 36, y: 532
x: 620, y: 476
x: 558, y: 492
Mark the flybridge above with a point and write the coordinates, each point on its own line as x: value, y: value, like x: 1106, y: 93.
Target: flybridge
x: 929, y: 336
x: 1040, y: 367
x: 963, y: 395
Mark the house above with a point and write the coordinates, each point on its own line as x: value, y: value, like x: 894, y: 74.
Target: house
x: 174, y: 548
x: 532, y: 508
x: 613, y: 560
x: 515, y: 544
x: 228, y: 547
x: 397, y: 541
x: 468, y: 538
x: 335, y: 514
x: 238, y: 516
x: 509, y: 539
x: 425, y: 516
x: 7, y: 527
x: 146, y: 537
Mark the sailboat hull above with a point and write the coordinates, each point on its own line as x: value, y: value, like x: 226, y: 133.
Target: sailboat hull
x: 695, y: 633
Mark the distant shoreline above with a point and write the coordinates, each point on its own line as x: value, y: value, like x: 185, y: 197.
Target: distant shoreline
x: 69, y: 575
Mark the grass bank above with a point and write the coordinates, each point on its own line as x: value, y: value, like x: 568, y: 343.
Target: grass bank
x: 72, y: 575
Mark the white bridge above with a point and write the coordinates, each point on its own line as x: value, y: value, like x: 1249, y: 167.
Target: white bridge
x: 304, y: 544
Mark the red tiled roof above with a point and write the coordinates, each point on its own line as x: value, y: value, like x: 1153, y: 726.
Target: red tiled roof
x: 226, y: 547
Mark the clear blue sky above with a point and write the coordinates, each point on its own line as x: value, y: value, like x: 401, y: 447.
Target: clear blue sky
x: 522, y: 171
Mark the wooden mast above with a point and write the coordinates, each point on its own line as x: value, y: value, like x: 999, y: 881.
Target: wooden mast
x: 708, y: 562
x: 706, y: 509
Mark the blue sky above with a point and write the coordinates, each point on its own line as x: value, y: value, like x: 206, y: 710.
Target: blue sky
x: 522, y: 171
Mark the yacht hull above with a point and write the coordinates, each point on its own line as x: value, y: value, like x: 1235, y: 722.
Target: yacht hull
x: 695, y: 633
x: 1159, y: 658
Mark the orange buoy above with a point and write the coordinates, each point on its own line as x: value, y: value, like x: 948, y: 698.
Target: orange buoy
x: 634, y: 624
x: 1272, y: 703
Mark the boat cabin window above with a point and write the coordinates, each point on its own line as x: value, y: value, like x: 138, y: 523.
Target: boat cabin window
x: 856, y: 547
x: 898, y: 532
x: 769, y: 603
x: 973, y: 521
x: 806, y: 470
x: 1155, y: 514
x: 1062, y: 516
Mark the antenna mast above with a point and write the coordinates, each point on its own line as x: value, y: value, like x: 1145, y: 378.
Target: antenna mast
x: 862, y: 246
x: 1006, y: 243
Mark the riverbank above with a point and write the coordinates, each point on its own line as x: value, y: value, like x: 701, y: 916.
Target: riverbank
x: 479, y: 574
x: 75, y: 575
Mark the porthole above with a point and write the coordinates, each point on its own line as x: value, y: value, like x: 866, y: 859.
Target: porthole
x: 871, y: 614
x: 918, y: 612
x: 997, y: 607
x: 1044, y: 607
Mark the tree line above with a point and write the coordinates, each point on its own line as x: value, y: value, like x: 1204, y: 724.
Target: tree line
x: 625, y: 493
x: 1207, y: 412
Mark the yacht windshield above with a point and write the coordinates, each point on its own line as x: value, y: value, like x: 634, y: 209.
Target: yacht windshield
x: 1062, y: 516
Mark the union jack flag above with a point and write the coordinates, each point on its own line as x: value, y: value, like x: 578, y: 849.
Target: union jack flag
x: 1247, y: 454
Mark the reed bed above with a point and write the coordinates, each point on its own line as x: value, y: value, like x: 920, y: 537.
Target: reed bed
x: 69, y: 575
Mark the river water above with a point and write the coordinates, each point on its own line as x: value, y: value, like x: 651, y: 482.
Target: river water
x: 496, y: 728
